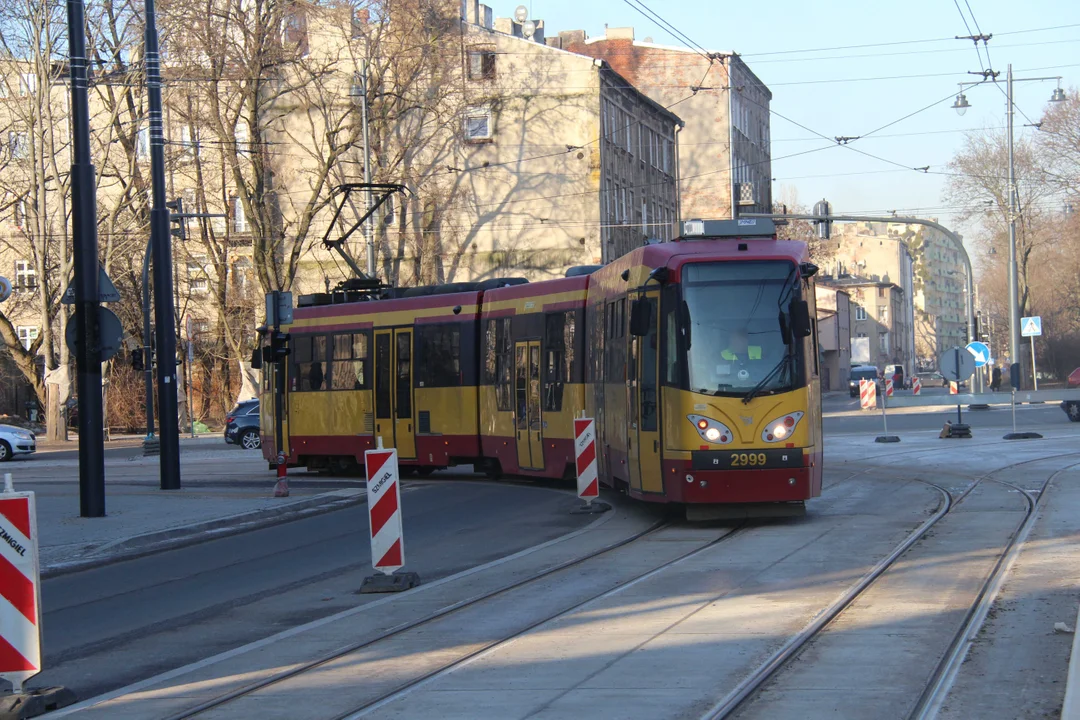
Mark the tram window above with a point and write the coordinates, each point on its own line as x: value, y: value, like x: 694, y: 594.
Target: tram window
x: 648, y: 350
x: 403, y: 403
x: 670, y: 329
x: 382, y: 376
x: 308, y: 366
x: 439, y: 356
x: 504, y: 363
x: 490, y: 352
x: 348, y: 370
x: 559, y: 346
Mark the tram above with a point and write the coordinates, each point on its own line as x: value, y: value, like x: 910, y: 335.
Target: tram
x: 697, y: 358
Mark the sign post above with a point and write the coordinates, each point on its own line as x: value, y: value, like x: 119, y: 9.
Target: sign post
x: 956, y: 365
x: 1031, y: 327
x: 384, y: 524
x: 886, y: 438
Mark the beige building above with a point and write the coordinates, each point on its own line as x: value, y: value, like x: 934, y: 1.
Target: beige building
x: 834, y: 336
x: 877, y: 321
x: 723, y: 104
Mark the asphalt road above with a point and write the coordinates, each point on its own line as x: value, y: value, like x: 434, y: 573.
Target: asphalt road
x: 115, y: 625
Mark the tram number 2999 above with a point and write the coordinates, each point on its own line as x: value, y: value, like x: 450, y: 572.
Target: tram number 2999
x: 746, y: 460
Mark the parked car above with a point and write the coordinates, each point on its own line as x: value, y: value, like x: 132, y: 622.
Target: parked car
x: 861, y: 372
x: 1072, y: 407
x: 242, y: 425
x: 15, y: 441
x: 932, y: 379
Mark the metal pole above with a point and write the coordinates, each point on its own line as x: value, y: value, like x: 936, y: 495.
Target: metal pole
x: 1014, y: 283
x: 1034, y: 375
x: 369, y: 234
x: 148, y: 355
x: 161, y: 241
x: 85, y: 245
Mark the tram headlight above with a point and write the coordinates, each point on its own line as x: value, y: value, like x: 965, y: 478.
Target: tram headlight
x: 712, y: 431
x: 782, y: 427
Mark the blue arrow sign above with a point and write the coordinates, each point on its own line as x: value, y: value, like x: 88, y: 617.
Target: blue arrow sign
x: 980, y: 351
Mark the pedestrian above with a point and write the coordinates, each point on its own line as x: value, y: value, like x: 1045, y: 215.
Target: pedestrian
x: 995, y: 379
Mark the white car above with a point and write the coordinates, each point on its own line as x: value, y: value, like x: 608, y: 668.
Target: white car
x: 15, y: 441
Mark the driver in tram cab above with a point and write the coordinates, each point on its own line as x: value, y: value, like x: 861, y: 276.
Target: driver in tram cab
x: 738, y: 357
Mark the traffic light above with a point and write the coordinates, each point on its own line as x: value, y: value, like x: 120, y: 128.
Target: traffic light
x: 279, y: 347
x: 137, y: 362
x: 824, y: 227
x: 176, y: 208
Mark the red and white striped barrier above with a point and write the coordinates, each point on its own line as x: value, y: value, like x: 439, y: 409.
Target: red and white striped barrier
x: 888, y: 387
x: 384, y: 510
x: 20, y: 588
x: 867, y: 394
x: 916, y: 386
x: 588, y: 483
x: 954, y: 388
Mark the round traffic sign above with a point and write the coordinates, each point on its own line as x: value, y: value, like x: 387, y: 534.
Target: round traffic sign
x: 5, y: 289
x: 980, y: 351
x: 956, y: 364
x: 110, y: 333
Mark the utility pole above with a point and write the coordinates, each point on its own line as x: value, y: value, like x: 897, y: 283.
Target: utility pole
x: 160, y: 239
x: 85, y: 243
x: 148, y: 353
x: 369, y: 234
x: 1014, y: 279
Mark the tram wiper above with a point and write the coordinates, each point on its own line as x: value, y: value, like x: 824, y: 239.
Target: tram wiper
x: 765, y: 380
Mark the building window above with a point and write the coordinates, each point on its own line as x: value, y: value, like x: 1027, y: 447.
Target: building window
x: 881, y: 292
x: 25, y: 276
x: 142, y: 144
x: 240, y: 223
x: 189, y: 143
x: 883, y: 313
x: 481, y: 64
x: 860, y: 312
x: 478, y: 123
x: 883, y: 339
x: 243, y: 138
x: 27, y: 84
x: 27, y: 335
x: 18, y: 145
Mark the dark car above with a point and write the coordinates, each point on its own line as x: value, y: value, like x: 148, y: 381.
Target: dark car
x: 861, y: 372
x: 242, y: 425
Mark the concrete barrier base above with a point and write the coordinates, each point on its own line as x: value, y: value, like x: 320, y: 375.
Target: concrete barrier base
x: 398, y: 582
x: 33, y: 703
x: 1022, y: 436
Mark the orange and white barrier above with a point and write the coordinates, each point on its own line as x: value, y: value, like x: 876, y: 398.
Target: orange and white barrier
x: 384, y: 510
x: 867, y: 394
x: 20, y: 587
x: 888, y: 387
x: 916, y: 386
x: 954, y: 387
x: 588, y: 483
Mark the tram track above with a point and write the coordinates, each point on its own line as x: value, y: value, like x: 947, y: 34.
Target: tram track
x: 225, y: 699
x: 937, y: 687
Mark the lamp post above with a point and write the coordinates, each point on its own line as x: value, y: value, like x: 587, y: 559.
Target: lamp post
x: 961, y: 105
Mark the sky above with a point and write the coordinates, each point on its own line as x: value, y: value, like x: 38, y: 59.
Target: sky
x: 789, y: 44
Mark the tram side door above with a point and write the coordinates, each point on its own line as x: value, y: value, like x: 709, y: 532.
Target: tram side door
x: 643, y: 368
x: 528, y: 422
x: 394, y: 391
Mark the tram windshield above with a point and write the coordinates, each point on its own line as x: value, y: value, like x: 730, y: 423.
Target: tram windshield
x: 733, y: 312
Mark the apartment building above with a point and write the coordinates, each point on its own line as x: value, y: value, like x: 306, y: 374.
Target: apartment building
x: 879, y: 328
x: 834, y: 336
x: 725, y: 146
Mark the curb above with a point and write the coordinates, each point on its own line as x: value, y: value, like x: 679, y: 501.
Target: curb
x: 186, y: 535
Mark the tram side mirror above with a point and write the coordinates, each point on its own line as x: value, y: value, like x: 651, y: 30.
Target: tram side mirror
x: 800, y: 318
x: 785, y: 328
x: 256, y: 358
x: 640, y: 318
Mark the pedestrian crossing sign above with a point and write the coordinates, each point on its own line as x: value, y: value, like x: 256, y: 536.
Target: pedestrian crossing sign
x: 1031, y: 326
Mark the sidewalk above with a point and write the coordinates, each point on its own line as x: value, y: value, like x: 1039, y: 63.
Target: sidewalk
x: 223, y: 493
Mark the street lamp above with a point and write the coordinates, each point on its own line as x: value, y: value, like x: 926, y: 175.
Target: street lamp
x: 961, y: 105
